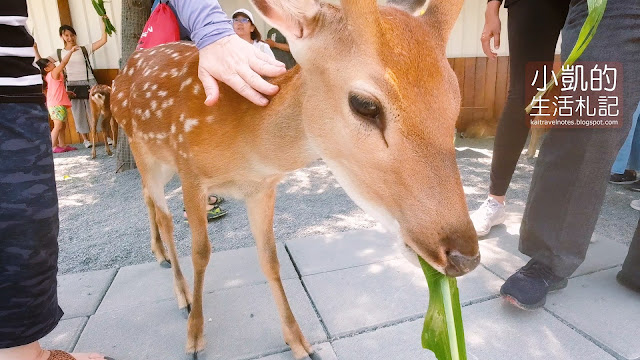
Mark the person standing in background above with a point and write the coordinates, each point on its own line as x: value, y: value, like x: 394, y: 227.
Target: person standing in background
x: 79, y: 73
x: 280, y: 48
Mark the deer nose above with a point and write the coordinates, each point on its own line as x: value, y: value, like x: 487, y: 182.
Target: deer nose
x: 460, y: 264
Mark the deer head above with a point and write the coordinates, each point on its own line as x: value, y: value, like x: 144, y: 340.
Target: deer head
x: 380, y: 108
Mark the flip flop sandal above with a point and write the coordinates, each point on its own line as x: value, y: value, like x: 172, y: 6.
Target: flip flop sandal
x: 62, y: 355
x: 215, y: 213
x: 219, y: 199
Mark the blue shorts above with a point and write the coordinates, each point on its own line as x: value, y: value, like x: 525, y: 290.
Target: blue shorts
x: 28, y: 226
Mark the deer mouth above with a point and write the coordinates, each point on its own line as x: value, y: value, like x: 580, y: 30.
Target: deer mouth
x: 456, y: 264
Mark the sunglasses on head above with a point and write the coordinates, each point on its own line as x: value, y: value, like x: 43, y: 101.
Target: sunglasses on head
x: 239, y: 19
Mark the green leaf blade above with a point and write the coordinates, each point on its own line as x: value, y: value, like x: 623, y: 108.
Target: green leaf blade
x: 443, y: 331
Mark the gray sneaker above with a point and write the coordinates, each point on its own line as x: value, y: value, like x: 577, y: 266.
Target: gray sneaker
x: 490, y: 214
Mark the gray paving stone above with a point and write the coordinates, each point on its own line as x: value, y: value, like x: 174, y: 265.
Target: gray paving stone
x: 65, y: 335
x: 323, y: 351
x: 322, y: 253
x: 80, y: 294
x: 501, y: 255
x: 395, y: 342
x: 494, y: 330
x: 150, y: 283
x: 244, y: 323
x: 606, y: 311
x: 497, y: 330
x: 376, y: 294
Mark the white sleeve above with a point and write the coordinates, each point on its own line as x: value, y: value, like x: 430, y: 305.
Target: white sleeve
x: 89, y: 48
x: 266, y: 49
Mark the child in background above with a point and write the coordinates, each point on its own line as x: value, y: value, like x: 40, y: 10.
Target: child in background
x: 58, y: 102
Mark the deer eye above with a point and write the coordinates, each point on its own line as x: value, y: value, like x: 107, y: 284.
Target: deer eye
x: 368, y: 108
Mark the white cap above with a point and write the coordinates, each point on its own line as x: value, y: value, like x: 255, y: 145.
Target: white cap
x: 244, y: 12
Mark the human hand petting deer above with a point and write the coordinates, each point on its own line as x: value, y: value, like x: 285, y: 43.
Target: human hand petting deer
x: 239, y: 65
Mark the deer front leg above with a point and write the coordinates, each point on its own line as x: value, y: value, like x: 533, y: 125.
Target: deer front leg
x: 93, y: 123
x: 261, y: 209
x: 195, y: 204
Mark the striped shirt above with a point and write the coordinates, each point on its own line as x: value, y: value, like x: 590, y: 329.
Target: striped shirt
x: 20, y: 79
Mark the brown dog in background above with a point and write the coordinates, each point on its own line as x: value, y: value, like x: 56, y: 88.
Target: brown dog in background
x: 100, y: 99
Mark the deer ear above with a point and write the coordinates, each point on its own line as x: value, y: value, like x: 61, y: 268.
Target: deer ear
x: 292, y: 17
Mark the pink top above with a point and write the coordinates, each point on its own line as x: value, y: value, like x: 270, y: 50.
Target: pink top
x: 56, y: 91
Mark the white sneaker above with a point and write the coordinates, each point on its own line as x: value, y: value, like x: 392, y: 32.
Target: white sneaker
x: 490, y: 213
x: 635, y: 204
x: 109, y: 141
x: 87, y: 144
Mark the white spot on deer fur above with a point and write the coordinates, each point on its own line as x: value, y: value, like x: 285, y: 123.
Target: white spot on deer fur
x: 185, y: 83
x: 152, y: 52
x: 146, y: 86
x: 180, y: 138
x: 164, y: 74
x: 209, y: 119
x: 125, y: 102
x: 163, y: 93
x: 159, y: 113
x: 136, y: 56
x: 174, y: 72
x: 176, y: 55
x: 173, y: 128
x: 167, y: 103
x: 196, y: 89
x: 155, y: 86
x: 148, y: 94
x: 154, y: 104
x: 120, y: 95
x: 189, y: 124
x: 130, y: 71
x: 146, y: 114
x: 138, y: 111
x: 161, y: 136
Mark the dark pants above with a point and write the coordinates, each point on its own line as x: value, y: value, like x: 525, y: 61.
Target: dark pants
x: 28, y: 226
x: 571, y: 173
x: 534, y: 27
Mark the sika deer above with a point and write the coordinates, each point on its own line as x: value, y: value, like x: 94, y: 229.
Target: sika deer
x: 99, y: 99
x: 374, y: 96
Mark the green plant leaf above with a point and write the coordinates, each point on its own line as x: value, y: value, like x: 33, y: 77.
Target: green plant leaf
x: 98, y: 5
x: 443, y: 332
x: 588, y: 30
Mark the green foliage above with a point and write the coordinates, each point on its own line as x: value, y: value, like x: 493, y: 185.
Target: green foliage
x: 99, y: 6
x: 443, y: 332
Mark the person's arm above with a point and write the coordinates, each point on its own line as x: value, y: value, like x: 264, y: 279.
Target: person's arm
x: 35, y: 48
x: 223, y: 55
x: 204, y: 19
x: 103, y: 40
x: 55, y: 73
x: 492, y: 28
x: 273, y: 44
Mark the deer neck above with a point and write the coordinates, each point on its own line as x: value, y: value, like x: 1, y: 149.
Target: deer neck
x: 279, y: 137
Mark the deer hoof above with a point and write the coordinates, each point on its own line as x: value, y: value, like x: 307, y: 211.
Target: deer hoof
x: 195, y: 347
x: 165, y: 264
x: 186, y: 311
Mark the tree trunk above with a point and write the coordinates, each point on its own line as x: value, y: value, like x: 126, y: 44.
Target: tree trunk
x: 135, y: 14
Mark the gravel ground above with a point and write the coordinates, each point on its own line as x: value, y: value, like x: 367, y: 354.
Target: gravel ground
x: 104, y: 224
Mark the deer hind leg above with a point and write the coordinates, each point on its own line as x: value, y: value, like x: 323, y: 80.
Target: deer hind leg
x: 195, y: 204
x: 154, y: 177
x: 533, y: 142
x: 93, y: 123
x: 114, y: 131
x: 261, y: 209
x: 106, y: 127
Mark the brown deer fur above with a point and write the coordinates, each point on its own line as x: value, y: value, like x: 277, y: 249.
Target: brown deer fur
x: 399, y: 165
x: 100, y: 99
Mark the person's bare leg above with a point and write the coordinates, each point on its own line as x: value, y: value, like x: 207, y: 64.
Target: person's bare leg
x: 34, y: 351
x: 61, y: 135
x: 57, y: 130
x: 497, y: 198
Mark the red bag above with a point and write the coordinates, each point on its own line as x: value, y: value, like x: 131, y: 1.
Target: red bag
x: 161, y: 28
